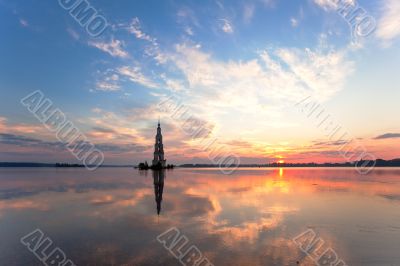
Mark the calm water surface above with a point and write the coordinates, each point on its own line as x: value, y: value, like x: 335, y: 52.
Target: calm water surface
x: 110, y: 216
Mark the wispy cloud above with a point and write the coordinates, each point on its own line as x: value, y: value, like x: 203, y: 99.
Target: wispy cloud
x: 185, y: 15
x: 152, y: 49
x: 107, y: 86
x: 248, y: 12
x: 174, y: 85
x: 388, y: 136
x: 23, y: 141
x: 332, y: 4
x: 281, y: 75
x: 135, y: 75
x: 23, y: 22
x: 389, y: 23
x: 226, y: 26
x: 6, y: 127
x: 323, y: 73
x: 123, y: 148
x: 109, y: 81
x: 269, y: 3
x: 331, y: 143
x: 135, y: 28
x: 114, y: 48
x: 73, y: 34
x: 294, y: 22
x: 189, y: 31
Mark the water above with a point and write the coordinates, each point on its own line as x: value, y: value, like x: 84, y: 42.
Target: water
x: 109, y: 217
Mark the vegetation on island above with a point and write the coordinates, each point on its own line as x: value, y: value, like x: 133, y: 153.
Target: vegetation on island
x: 145, y: 166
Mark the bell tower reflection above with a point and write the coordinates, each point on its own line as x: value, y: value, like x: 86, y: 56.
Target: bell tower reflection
x: 158, y: 177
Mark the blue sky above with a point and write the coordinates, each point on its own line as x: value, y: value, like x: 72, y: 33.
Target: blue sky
x: 239, y: 66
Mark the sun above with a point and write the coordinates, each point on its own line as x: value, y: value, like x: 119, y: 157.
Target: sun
x: 281, y: 161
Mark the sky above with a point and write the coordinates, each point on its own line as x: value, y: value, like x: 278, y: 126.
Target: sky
x: 247, y: 71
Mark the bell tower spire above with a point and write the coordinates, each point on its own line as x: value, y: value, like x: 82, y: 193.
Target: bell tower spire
x: 159, y: 160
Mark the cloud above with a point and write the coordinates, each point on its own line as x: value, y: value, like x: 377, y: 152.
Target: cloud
x: 153, y: 49
x: 260, y: 88
x: 189, y: 31
x: 73, y: 34
x: 135, y: 75
x: 388, y: 27
x: 154, y: 52
x: 106, y: 86
x: 133, y: 126
x: 108, y: 80
x: 104, y: 130
x: 194, y: 206
x: 294, y: 22
x: 135, y: 28
x: 3, y: 122
x: 269, y: 3
x: 388, y: 136
x: 23, y: 22
x: 323, y: 73
x: 395, y: 197
x: 226, y: 26
x: 114, y: 48
x: 113, y: 128
x: 22, y: 141
x: 121, y: 148
x: 274, y: 77
x: 239, y: 143
x: 328, y: 5
x: 248, y: 12
x: 103, y: 200
x: 186, y: 15
x: 331, y: 143
x: 174, y: 85
x: 20, y: 128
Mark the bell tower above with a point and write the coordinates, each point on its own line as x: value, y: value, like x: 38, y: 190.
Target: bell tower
x: 159, y: 148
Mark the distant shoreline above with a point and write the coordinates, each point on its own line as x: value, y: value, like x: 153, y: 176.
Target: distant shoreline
x: 51, y: 165
x: 379, y: 163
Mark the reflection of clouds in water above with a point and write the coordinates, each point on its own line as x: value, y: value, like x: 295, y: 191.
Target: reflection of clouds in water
x: 188, y: 206
x: 245, y: 219
x: 102, y: 200
x: 395, y: 197
x: 22, y: 205
x: 22, y: 192
x: 241, y: 211
x: 246, y: 231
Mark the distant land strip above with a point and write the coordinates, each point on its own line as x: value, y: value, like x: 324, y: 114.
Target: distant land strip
x: 379, y: 163
x: 60, y: 165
